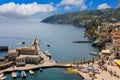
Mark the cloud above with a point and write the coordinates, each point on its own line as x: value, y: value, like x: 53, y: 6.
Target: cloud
x: 23, y: 10
x: 91, y: 2
x: 67, y: 8
x: 74, y: 3
x: 103, y: 6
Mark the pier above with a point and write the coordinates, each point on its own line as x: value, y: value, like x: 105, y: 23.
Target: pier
x: 32, y: 67
x: 82, y: 41
x: 3, y: 48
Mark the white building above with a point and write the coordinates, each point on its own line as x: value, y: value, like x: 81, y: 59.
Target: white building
x: 119, y: 3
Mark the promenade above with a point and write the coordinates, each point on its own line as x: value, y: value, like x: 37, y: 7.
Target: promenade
x: 107, y: 71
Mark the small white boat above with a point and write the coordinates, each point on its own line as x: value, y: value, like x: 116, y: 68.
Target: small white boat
x: 47, y: 53
x: 13, y: 74
x: 2, y: 77
x: 31, y: 72
x: 23, y: 74
x: 93, y: 53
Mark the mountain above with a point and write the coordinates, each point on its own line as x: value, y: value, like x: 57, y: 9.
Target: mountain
x: 81, y: 17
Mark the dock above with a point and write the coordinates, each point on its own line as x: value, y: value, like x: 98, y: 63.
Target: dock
x: 32, y: 67
x: 82, y: 41
x: 3, y: 48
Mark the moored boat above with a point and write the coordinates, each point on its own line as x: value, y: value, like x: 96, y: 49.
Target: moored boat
x: 41, y: 69
x: 93, y: 53
x: 13, y: 74
x: 47, y: 53
x: 31, y: 72
x: 2, y: 77
x: 23, y: 74
x: 18, y: 74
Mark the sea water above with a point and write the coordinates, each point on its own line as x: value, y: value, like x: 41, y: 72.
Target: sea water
x: 60, y: 38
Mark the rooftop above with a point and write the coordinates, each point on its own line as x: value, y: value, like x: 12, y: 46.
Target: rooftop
x: 12, y: 51
x: 25, y: 56
x: 26, y: 48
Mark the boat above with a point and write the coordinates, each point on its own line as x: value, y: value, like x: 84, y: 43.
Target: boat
x: 2, y: 77
x: 31, y: 72
x: 18, y: 74
x: 93, y: 53
x: 23, y: 42
x: 13, y: 74
x: 47, y: 53
x: 48, y: 45
x: 23, y: 74
x: 41, y: 69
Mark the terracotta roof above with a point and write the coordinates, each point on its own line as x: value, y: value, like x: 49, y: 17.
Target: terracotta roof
x: 12, y: 51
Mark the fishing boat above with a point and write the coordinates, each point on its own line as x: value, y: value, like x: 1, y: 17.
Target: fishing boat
x: 31, y: 72
x: 13, y: 74
x: 2, y: 77
x: 18, y: 74
x: 41, y: 69
x: 23, y: 74
x: 93, y: 53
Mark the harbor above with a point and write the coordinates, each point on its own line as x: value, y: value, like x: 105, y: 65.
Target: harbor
x: 45, y: 62
x: 38, y: 59
x: 64, y: 55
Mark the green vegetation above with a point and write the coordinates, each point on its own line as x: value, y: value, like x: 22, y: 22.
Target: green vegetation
x: 88, y: 18
x: 81, y: 17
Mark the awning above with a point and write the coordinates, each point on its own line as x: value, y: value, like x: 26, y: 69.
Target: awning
x: 118, y: 63
x: 96, y: 41
x: 106, y: 51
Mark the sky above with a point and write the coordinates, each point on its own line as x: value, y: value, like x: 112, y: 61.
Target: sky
x: 28, y: 8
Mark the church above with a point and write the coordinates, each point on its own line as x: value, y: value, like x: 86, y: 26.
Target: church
x: 26, y: 55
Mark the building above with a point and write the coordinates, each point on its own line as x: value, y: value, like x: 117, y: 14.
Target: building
x: 26, y: 55
x: 118, y: 3
x: 116, y: 42
x: 12, y: 55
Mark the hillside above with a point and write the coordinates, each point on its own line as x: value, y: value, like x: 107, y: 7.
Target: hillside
x: 79, y: 18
